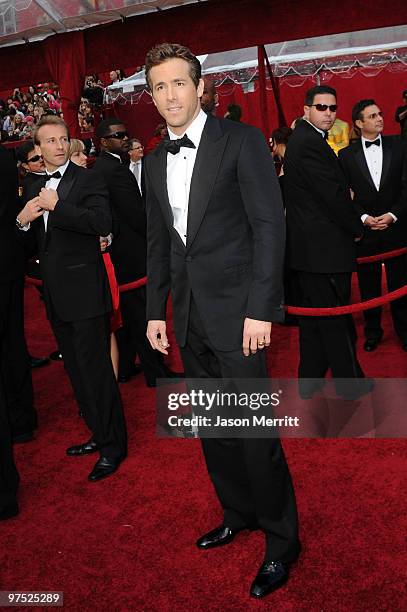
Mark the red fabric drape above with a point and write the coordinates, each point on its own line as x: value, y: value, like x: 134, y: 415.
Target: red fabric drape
x: 65, y: 58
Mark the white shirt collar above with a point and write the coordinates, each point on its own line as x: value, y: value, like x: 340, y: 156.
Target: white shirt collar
x: 367, y: 140
x: 61, y: 169
x: 114, y: 155
x: 194, y: 131
x: 315, y: 128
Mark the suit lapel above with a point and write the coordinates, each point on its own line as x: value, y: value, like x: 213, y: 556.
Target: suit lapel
x: 208, y: 159
x: 361, y: 160
x: 159, y: 180
x: 387, y: 154
x: 64, y: 187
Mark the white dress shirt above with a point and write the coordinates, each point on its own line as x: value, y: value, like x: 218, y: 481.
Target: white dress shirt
x: 135, y: 167
x: 374, y: 161
x: 179, y: 174
x: 53, y: 184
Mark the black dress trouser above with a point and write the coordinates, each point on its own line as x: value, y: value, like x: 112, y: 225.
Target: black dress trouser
x: 9, y: 477
x: 16, y: 365
x: 250, y: 476
x: 85, y: 346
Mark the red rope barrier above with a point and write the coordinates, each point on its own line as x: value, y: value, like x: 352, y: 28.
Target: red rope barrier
x: 382, y: 256
x: 134, y: 285
x: 122, y: 288
x: 351, y: 308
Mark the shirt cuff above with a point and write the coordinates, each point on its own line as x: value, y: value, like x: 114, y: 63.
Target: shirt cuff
x: 364, y: 217
x: 394, y: 217
x: 23, y: 228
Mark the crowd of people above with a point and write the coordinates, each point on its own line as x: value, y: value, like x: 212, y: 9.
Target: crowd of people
x: 205, y: 217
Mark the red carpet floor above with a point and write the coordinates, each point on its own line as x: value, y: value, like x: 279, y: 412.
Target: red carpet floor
x: 127, y: 543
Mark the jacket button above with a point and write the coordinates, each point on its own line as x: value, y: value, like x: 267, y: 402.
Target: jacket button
x: 188, y: 258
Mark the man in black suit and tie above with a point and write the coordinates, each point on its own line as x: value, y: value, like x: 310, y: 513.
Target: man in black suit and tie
x: 322, y: 226
x: 129, y: 247
x: 376, y: 169
x: 216, y: 240
x: 69, y: 210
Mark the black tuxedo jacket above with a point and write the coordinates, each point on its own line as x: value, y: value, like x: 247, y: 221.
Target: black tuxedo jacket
x: 129, y: 248
x: 391, y: 197
x: 72, y: 267
x: 11, y: 248
x: 232, y: 262
x: 321, y: 220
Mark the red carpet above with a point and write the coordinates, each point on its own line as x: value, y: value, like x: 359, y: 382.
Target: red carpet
x: 128, y: 543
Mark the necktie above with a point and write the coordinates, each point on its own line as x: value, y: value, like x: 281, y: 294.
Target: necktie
x: 55, y: 175
x: 173, y: 146
x: 373, y: 142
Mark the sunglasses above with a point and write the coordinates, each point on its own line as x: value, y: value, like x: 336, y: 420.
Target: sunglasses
x: 118, y: 135
x: 324, y: 107
x: 34, y: 159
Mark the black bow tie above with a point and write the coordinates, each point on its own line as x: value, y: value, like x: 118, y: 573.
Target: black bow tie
x: 55, y: 175
x: 173, y: 146
x: 372, y: 142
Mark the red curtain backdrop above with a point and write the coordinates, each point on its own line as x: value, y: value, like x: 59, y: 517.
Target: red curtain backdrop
x: 65, y: 58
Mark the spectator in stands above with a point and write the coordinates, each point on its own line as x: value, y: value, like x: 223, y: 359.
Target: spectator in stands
x: 401, y: 116
x: 210, y: 98
x: 114, y: 77
x: 160, y: 132
x: 234, y: 112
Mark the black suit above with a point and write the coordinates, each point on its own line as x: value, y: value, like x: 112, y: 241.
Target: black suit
x: 78, y: 301
x: 11, y: 274
x: 230, y: 268
x: 15, y: 365
x: 322, y: 226
x: 391, y: 197
x: 128, y: 253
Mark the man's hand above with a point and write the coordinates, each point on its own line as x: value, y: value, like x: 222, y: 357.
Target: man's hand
x: 31, y: 211
x: 256, y: 335
x: 384, y: 221
x: 370, y: 221
x: 157, y: 336
x: 48, y: 198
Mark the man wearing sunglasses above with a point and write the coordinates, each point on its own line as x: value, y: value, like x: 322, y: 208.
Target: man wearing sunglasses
x: 129, y: 248
x: 322, y: 228
x: 376, y: 169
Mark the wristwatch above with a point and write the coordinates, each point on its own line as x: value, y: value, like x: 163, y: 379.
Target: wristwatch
x: 19, y: 224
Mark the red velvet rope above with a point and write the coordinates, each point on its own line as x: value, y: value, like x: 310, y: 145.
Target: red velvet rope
x: 382, y: 256
x: 122, y: 288
x: 309, y: 312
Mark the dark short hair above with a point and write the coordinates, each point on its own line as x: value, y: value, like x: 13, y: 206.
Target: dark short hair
x: 133, y: 140
x: 281, y: 135
x: 48, y: 120
x: 24, y: 150
x: 166, y: 51
x: 359, y: 107
x: 405, y: 93
x: 315, y: 91
x: 102, y: 128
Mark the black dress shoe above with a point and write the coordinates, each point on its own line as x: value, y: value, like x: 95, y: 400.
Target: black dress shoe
x: 22, y: 438
x: 104, y: 467
x: 38, y: 362
x: 371, y: 345
x: 7, y: 512
x: 217, y: 537
x: 56, y: 356
x: 271, y: 576
x: 82, y: 449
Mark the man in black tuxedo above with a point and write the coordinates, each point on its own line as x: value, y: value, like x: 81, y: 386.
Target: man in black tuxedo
x: 322, y: 227
x: 15, y: 364
x: 129, y: 248
x: 376, y: 169
x: 69, y: 210
x: 216, y: 239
